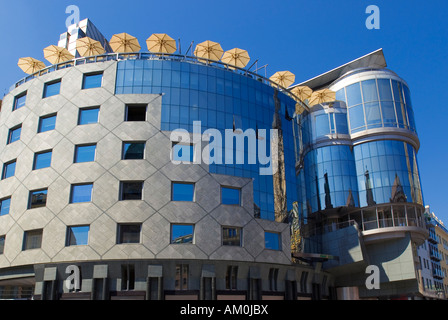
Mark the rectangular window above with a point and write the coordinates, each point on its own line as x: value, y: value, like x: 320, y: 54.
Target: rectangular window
x: 182, y: 233
x: 81, y: 193
x: 231, y: 277
x: 42, y: 160
x: 182, y: 275
x: 133, y: 150
x: 273, y: 278
x: 77, y: 235
x: 38, y: 198
x: 183, y: 152
x: 32, y: 239
x: 127, y: 277
x: 88, y: 115
x: 92, y: 80
x: 272, y: 240
x: 230, y: 196
x: 182, y: 191
x: 14, y: 134
x: 85, y: 153
x: 19, y: 101
x: 2, y: 244
x: 9, y: 169
x: 136, y: 113
x: 131, y: 190
x: 52, y: 88
x: 47, y: 123
x: 129, y: 233
x: 231, y: 236
x: 5, y: 204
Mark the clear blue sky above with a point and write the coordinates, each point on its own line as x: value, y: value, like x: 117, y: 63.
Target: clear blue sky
x: 305, y: 37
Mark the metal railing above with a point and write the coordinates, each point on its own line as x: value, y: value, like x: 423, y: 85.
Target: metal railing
x: 158, y: 56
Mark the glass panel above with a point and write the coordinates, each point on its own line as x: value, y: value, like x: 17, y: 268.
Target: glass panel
x: 47, y: 124
x: 230, y: 196
x: 52, y: 89
x: 322, y: 125
x: 14, y: 135
x: 373, y: 115
x: 388, y: 111
x: 42, y: 160
x: 340, y: 95
x: 19, y: 101
x: 33, y: 239
x: 131, y: 190
x: 38, y: 198
x: 369, y: 91
x: 356, y: 116
x: 4, y: 206
x: 183, y: 191
x: 136, y: 113
x: 182, y: 233
x: 353, y: 94
x: 78, y: 236
x: 231, y: 236
x: 129, y: 233
x: 87, y: 116
x: 272, y: 240
x: 385, y: 217
x: 341, y: 123
x: 369, y: 219
x: 133, y: 150
x: 399, y: 216
x: 384, y: 89
x: 2, y: 244
x: 81, y: 193
x: 9, y: 170
x: 85, y: 153
x: 92, y: 81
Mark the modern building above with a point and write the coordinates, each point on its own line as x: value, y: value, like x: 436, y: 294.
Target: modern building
x: 360, y: 197
x: 90, y: 184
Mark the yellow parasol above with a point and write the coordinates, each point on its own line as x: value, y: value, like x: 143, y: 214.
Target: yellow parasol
x: 161, y: 43
x: 88, y: 47
x: 302, y: 92
x: 125, y: 43
x: 236, y: 57
x: 209, y: 50
x: 55, y: 54
x: 30, y: 65
x: 283, y: 78
x: 321, y: 96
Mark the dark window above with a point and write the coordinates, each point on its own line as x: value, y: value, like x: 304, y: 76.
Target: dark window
x: 136, y: 113
x: 131, y: 190
x: 230, y: 196
x: 133, y: 150
x: 88, y: 115
x: 52, y: 88
x: 273, y: 277
x: 77, y: 235
x: 42, y: 160
x: 9, y: 169
x: 85, y: 153
x: 182, y: 276
x: 32, y: 239
x: 2, y: 244
x: 47, y: 123
x: 127, y: 277
x: 182, y: 233
x: 14, y: 134
x: 129, y: 233
x: 231, y: 236
x: 182, y: 191
x: 19, y: 101
x: 38, y: 198
x: 231, y: 277
x: 92, y: 80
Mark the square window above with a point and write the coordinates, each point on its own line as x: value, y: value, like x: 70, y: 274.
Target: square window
x: 182, y: 191
x: 230, y: 196
x: 183, y: 152
x: 19, y: 101
x: 88, y: 115
x: 14, y: 134
x: 182, y: 233
x: 231, y: 236
x: 133, y: 150
x: 38, y: 198
x: 47, y: 123
x: 52, y: 88
x: 92, y: 80
x: 81, y: 193
x: 9, y: 169
x: 4, y: 206
x: 129, y: 233
x: 85, y: 153
x: 77, y: 235
x: 2, y: 244
x: 272, y: 240
x: 136, y: 113
x: 32, y: 239
x: 132, y: 190
x: 42, y: 160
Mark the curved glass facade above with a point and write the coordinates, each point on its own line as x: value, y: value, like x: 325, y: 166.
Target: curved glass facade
x: 220, y: 99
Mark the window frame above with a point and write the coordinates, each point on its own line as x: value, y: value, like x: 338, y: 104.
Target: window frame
x: 131, y: 143
x: 81, y: 110
x: 11, y: 132
x: 231, y: 188
x: 50, y: 83
x: 76, y: 152
x: 70, y: 232
x: 278, y: 234
x: 240, y: 236
x: 173, y: 225
x: 92, y: 74
x: 49, y: 116
x: 5, y: 168
x: 30, y: 198
x: 1, y: 206
x: 120, y: 234
x: 26, y: 234
x: 37, y: 154
x: 173, y: 183
x: 135, y: 106
x: 16, y: 99
x: 122, y: 183
x: 72, y: 192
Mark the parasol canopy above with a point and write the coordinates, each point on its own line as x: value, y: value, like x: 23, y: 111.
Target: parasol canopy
x: 236, y: 57
x: 30, y: 65
x: 161, y: 43
x: 209, y: 50
x: 55, y: 54
x: 124, y: 42
x: 302, y: 92
x: 283, y: 78
x: 88, y: 47
x: 321, y: 96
